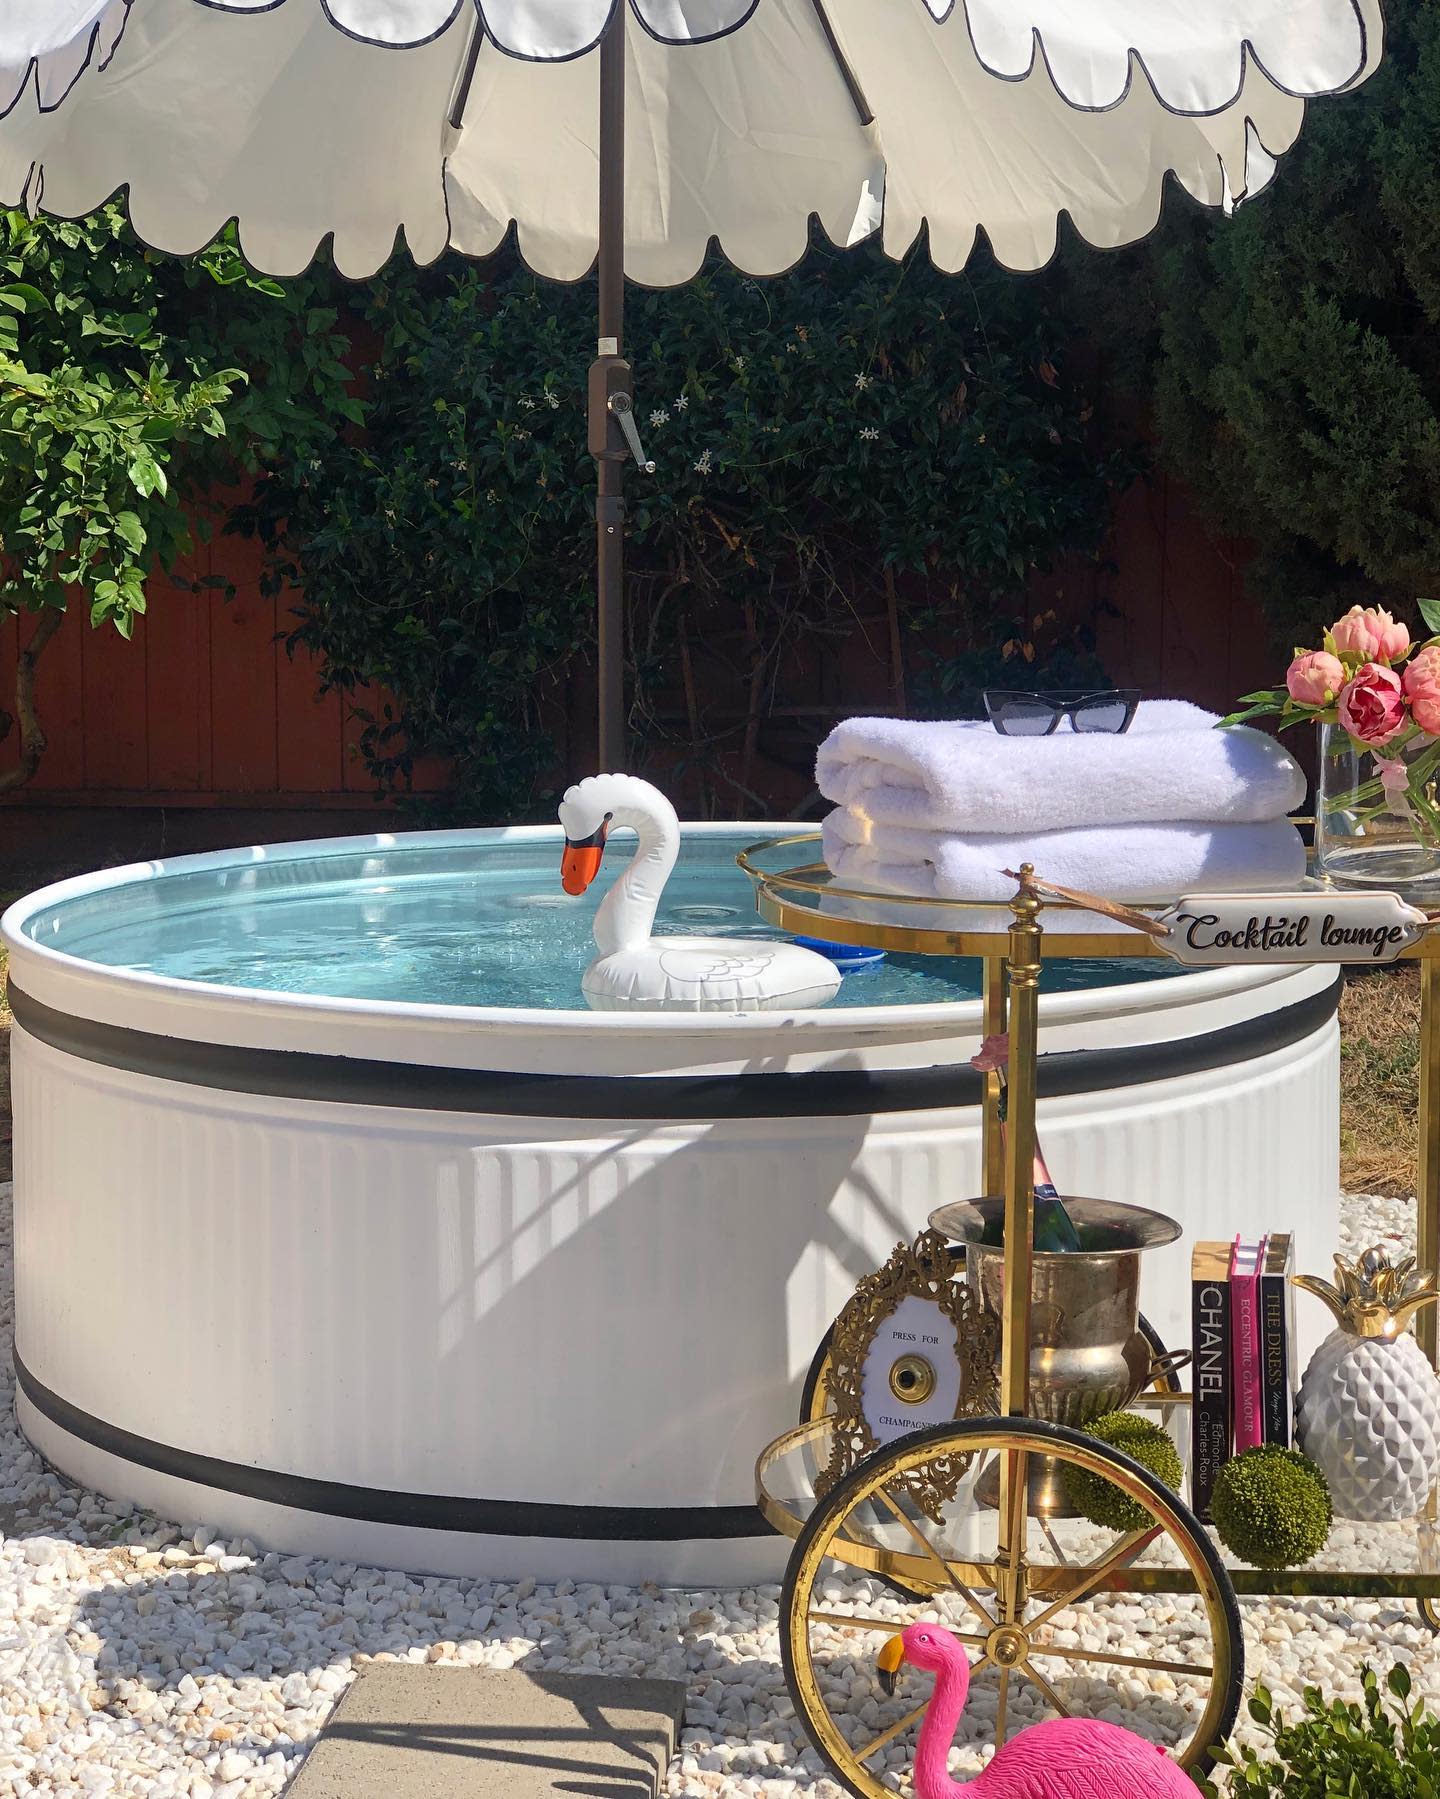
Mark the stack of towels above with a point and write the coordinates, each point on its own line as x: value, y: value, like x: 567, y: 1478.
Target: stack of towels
x: 1171, y: 806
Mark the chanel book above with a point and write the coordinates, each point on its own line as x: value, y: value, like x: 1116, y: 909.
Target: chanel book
x: 1212, y: 1386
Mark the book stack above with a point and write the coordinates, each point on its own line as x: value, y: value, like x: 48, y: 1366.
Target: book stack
x: 1244, y: 1366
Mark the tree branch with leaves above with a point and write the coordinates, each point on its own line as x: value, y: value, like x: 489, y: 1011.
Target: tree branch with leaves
x: 115, y: 390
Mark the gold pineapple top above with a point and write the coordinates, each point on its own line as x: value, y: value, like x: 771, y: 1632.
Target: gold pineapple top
x: 1373, y: 1296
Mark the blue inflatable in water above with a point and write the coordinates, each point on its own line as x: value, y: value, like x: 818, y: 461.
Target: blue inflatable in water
x: 849, y: 958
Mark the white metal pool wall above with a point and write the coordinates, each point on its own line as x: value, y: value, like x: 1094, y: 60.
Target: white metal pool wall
x: 526, y: 1292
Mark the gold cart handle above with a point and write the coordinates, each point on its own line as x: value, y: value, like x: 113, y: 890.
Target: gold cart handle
x: 1030, y: 882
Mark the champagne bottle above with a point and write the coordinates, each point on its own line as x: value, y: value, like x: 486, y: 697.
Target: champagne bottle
x: 1055, y: 1231
x: 1054, y: 1227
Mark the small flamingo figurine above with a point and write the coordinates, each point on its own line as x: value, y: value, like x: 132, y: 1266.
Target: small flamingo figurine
x: 1064, y: 1758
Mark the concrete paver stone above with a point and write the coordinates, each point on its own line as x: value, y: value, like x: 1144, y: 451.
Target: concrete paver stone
x: 405, y: 1730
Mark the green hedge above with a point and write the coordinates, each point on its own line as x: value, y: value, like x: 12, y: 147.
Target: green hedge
x: 1292, y: 354
x: 817, y: 435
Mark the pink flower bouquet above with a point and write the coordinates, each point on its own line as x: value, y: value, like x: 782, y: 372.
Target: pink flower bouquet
x: 1370, y: 681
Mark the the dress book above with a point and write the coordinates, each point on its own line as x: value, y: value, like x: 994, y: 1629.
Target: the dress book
x: 1277, y: 1335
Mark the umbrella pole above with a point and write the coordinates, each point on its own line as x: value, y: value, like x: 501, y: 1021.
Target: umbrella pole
x: 611, y: 376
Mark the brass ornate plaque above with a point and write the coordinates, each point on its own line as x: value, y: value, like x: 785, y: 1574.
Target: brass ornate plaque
x: 912, y: 1347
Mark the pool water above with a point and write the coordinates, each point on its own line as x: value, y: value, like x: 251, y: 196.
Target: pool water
x: 456, y: 924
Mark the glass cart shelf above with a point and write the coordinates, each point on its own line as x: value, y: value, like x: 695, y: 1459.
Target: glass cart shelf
x: 1399, y: 1560
x: 806, y: 899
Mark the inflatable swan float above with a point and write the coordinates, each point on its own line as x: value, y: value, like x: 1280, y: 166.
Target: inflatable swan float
x: 669, y: 974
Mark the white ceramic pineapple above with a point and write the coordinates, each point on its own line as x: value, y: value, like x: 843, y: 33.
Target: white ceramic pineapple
x: 1368, y: 1412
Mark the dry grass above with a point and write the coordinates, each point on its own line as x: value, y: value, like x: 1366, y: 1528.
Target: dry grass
x: 1379, y: 1080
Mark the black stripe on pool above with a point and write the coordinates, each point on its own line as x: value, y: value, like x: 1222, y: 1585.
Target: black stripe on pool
x: 380, y: 1505
x: 812, y: 1093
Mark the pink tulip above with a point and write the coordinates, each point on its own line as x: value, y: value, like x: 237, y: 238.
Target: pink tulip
x: 1370, y: 633
x: 1372, y: 705
x: 1422, y: 688
x: 1315, y: 677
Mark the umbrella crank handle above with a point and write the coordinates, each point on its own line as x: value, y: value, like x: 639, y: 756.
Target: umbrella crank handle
x: 612, y: 406
x: 622, y: 409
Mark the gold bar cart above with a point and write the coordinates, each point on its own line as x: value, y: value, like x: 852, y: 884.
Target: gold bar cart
x: 1058, y: 1616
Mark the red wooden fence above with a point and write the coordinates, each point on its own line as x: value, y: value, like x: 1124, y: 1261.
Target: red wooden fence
x: 205, y: 708
x: 202, y: 707
x: 1187, y: 629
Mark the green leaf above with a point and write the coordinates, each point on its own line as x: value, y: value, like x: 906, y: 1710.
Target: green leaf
x: 1429, y: 610
x: 1267, y: 709
x: 146, y: 475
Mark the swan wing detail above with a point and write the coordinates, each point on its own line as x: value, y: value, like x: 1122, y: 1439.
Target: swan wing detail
x: 709, y: 963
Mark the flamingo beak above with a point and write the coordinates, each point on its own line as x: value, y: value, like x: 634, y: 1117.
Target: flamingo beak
x: 581, y: 860
x: 891, y: 1656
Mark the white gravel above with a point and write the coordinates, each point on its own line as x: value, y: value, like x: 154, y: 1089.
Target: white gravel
x: 141, y: 1657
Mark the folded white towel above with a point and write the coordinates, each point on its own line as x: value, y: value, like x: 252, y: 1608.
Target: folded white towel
x: 1172, y: 763
x: 1129, y: 862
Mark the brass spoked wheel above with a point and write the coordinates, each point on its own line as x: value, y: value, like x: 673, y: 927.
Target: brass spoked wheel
x: 1430, y: 1614
x: 968, y: 1525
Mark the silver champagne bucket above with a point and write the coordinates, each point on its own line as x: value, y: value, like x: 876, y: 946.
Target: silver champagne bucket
x: 1088, y: 1355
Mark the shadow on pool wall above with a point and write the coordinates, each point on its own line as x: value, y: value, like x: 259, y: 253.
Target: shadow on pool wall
x: 493, y: 1291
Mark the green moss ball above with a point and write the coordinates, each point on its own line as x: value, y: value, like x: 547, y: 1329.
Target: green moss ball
x: 1144, y: 1441
x: 1271, y: 1507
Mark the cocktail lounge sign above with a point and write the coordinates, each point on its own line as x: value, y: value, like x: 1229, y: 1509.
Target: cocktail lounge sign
x: 1206, y: 929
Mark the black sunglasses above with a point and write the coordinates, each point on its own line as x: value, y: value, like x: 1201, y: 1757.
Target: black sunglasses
x: 1038, y: 714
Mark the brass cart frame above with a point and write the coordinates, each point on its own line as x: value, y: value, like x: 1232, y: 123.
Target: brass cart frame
x: 1012, y: 945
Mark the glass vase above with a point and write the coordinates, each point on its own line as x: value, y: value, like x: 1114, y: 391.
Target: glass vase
x: 1374, y: 829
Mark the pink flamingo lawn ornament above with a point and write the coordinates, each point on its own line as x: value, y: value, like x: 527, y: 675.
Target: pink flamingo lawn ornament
x: 1064, y: 1758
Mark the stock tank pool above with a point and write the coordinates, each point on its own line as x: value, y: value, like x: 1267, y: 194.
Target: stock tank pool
x: 341, y: 1225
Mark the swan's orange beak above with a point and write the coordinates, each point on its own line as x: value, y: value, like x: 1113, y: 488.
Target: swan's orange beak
x: 890, y: 1659
x: 580, y: 863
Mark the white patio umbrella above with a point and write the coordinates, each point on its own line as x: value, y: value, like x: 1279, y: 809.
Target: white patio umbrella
x: 636, y: 132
